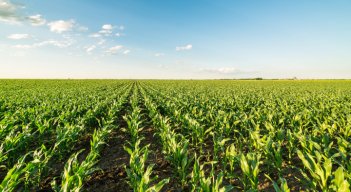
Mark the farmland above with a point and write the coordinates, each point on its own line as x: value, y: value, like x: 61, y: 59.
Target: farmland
x: 168, y: 135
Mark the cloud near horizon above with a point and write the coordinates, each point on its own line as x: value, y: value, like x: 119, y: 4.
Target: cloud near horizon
x: 184, y: 48
x: 115, y: 49
x: 59, y: 44
x: 222, y: 70
x: 18, y: 36
x: 159, y: 54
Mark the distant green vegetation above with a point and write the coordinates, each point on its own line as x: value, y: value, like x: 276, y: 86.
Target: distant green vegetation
x: 188, y: 135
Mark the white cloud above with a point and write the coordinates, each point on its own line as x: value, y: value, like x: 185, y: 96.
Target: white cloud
x: 18, y: 36
x: 115, y: 49
x: 184, y: 48
x: 82, y: 28
x: 90, y: 48
x: 222, y: 70
x: 126, y: 52
x: 106, y: 29
x: 9, y: 12
x: 95, y: 35
x: 36, y: 20
x: 159, y: 54
x: 60, y: 44
x: 61, y: 26
x: 23, y: 46
x: 102, y: 41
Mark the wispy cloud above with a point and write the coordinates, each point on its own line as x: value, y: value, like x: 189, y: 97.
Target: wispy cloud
x: 121, y: 27
x: 101, y: 42
x: 184, y: 48
x: 9, y: 12
x: 159, y: 54
x: 95, y: 35
x: 23, y: 46
x: 126, y: 52
x: 90, y: 48
x: 18, y: 36
x: 36, y: 20
x: 61, y: 26
x: 82, y: 28
x: 60, y: 44
x: 221, y: 70
x: 115, y: 49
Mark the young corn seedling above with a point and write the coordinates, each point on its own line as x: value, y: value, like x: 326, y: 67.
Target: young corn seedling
x: 339, y: 183
x: 283, y: 185
x: 14, y: 176
x: 26, y: 173
x: 178, y: 157
x: 3, y: 155
x: 231, y: 157
x: 321, y: 173
x: 290, y: 144
x: 174, y: 146
x: 133, y: 124
x: 212, y: 183
x: 249, y: 165
x: 138, y: 174
x: 274, y: 154
x: 218, y: 145
x: 11, y: 146
x: 197, y: 131
x: 258, y: 141
x: 320, y: 170
x: 75, y: 172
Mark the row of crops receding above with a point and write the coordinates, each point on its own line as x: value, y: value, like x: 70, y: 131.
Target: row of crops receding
x: 173, y: 135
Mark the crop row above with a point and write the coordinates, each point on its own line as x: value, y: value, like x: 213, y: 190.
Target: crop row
x: 212, y: 135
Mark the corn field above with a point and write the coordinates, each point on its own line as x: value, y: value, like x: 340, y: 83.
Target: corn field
x: 174, y: 135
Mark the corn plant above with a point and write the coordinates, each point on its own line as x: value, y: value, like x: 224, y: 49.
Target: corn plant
x: 283, y: 187
x: 138, y: 174
x: 339, y: 183
x: 14, y: 176
x: 231, y: 158
x: 275, y: 155
x: 178, y: 157
x: 203, y: 183
x: 133, y: 123
x: 257, y: 140
x: 75, y: 172
x: 218, y: 145
x: 174, y: 146
x: 320, y: 169
x: 274, y: 119
x: 26, y: 172
x: 249, y: 165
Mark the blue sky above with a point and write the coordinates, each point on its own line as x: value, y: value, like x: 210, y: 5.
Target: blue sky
x: 175, y: 39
